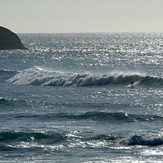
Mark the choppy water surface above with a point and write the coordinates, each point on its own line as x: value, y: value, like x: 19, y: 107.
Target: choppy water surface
x: 69, y: 98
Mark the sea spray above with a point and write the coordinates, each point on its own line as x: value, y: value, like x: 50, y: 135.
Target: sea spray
x: 42, y: 77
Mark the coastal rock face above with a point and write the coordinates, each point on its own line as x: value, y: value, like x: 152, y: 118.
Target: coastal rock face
x: 9, y: 40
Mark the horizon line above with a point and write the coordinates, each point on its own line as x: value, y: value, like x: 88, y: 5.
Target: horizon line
x: 80, y: 32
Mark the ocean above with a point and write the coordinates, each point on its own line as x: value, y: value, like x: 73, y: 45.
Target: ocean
x: 82, y: 97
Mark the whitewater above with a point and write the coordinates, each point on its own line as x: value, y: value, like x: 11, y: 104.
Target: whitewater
x: 88, y: 97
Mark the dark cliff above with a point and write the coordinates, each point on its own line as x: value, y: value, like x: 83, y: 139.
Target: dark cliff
x: 9, y: 40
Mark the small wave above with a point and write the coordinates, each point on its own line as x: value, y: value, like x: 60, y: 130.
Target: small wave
x: 46, y: 138
x: 11, y: 140
x: 103, y: 116
x: 112, y: 117
x: 97, y: 116
x: 148, y: 140
x: 41, y: 77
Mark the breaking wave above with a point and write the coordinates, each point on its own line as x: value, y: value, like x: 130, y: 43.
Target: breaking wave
x: 34, y: 141
x: 146, y: 139
x: 41, y: 77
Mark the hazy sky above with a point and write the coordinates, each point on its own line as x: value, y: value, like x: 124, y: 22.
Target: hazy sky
x: 58, y: 16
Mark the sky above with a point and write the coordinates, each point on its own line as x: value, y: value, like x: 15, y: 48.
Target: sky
x: 76, y: 16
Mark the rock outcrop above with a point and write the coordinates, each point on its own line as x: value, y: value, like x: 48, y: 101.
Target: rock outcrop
x: 9, y: 40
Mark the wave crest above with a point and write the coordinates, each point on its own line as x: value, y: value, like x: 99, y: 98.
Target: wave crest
x: 147, y: 140
x: 41, y: 77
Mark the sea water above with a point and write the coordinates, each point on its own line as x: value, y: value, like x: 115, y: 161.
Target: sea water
x: 69, y: 98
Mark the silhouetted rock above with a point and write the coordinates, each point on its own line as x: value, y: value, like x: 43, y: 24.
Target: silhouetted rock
x: 9, y: 40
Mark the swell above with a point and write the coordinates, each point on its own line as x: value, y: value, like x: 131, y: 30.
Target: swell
x: 36, y: 76
x: 95, y: 116
x: 86, y: 116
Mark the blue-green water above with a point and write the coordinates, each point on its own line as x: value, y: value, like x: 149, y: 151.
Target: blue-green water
x: 69, y: 98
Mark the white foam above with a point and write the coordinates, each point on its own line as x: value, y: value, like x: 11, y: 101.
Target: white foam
x: 41, y: 76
